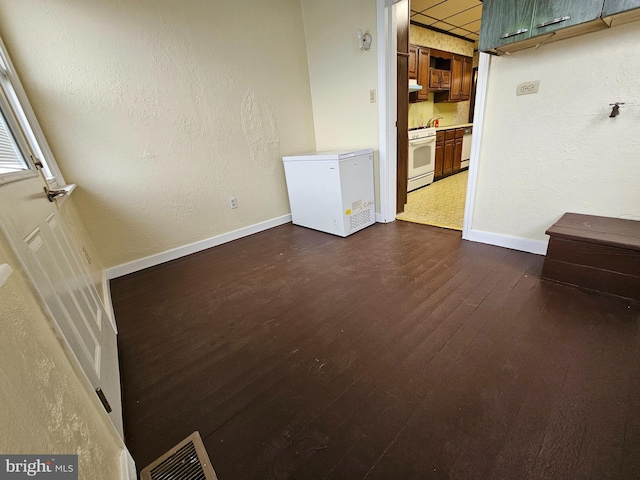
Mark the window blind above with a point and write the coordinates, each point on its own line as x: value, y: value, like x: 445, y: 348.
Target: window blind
x: 11, y: 158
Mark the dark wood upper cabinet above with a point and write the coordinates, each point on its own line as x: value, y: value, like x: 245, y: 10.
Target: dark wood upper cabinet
x: 413, y: 62
x: 455, y: 91
x: 446, y: 74
x: 467, y: 76
x: 423, y: 73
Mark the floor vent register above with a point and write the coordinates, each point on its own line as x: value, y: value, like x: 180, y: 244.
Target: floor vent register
x: 186, y: 461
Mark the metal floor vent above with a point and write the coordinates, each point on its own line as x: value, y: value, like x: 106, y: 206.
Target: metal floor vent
x: 186, y: 461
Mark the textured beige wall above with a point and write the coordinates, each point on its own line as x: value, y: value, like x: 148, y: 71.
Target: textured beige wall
x: 161, y: 110
x: 558, y: 151
x: 342, y: 75
x: 452, y: 113
x: 45, y: 406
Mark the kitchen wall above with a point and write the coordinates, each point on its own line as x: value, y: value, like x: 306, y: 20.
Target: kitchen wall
x: 342, y: 75
x: 558, y: 151
x: 46, y: 408
x: 160, y: 111
x: 452, y: 113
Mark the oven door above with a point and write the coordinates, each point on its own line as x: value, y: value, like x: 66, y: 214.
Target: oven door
x: 422, y: 156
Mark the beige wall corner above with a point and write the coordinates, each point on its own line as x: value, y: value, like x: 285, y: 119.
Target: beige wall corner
x: 558, y: 151
x: 160, y: 112
x: 342, y: 75
x: 46, y: 408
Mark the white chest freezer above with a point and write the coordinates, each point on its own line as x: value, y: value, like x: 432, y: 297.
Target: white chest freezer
x: 331, y: 192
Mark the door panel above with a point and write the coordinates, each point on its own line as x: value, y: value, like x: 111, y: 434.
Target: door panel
x: 40, y: 239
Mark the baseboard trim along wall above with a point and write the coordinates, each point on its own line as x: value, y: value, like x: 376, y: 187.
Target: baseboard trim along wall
x: 127, y: 466
x: 539, y: 247
x: 178, y: 252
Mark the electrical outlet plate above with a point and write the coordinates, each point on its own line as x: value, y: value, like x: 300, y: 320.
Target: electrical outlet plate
x: 527, y: 88
x: 233, y: 203
x: 372, y: 96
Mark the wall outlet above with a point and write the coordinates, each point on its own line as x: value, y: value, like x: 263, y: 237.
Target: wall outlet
x: 233, y: 203
x: 527, y: 88
x: 372, y: 96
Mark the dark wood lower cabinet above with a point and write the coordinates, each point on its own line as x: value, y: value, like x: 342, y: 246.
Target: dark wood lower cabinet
x: 448, y: 152
x: 439, y: 163
x: 457, y: 149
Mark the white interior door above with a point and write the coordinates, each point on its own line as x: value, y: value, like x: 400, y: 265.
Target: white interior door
x: 41, y: 241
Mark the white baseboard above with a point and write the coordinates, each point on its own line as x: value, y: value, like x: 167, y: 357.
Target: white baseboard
x: 539, y: 247
x: 380, y: 219
x: 153, y: 260
x: 127, y: 466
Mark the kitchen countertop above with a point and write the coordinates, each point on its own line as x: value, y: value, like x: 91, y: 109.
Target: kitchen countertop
x: 448, y: 127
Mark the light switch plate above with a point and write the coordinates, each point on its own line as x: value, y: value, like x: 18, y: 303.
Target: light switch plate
x: 527, y: 88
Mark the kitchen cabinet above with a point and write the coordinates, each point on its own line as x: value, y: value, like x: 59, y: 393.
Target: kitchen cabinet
x: 456, y: 79
x: 423, y: 73
x: 413, y: 62
x: 460, y: 85
x: 439, y: 162
x: 439, y: 79
x: 511, y: 25
x: 552, y: 15
x: 448, y: 152
x: 620, y: 11
x: 446, y: 74
x: 505, y: 22
x: 457, y: 149
x: 467, y: 77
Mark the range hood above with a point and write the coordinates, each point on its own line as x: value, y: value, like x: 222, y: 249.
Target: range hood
x: 413, y: 85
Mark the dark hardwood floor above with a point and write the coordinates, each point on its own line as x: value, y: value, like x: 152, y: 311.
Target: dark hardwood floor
x: 401, y: 352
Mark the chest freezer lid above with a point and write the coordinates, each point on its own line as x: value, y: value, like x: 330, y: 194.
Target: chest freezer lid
x: 328, y: 156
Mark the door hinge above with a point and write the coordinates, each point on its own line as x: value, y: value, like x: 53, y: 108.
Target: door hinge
x: 103, y: 399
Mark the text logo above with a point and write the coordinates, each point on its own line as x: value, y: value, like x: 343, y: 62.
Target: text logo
x: 50, y: 467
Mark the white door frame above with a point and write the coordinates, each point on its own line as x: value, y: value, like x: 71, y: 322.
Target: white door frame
x: 387, y: 110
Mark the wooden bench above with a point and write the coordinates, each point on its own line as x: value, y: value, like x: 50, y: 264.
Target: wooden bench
x: 599, y: 254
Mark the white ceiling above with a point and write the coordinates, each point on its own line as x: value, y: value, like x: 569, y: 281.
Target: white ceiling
x: 458, y: 17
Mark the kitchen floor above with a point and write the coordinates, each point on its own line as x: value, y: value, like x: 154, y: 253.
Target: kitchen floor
x: 440, y: 204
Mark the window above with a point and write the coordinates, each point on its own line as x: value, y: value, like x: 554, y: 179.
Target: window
x: 21, y: 139
x: 11, y: 158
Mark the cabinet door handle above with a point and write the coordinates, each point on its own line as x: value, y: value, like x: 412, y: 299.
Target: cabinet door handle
x: 517, y: 32
x: 554, y: 21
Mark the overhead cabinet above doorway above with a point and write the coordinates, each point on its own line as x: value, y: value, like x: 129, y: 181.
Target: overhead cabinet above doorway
x: 511, y: 25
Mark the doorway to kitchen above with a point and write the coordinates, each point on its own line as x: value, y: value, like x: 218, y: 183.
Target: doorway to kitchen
x: 443, y: 71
